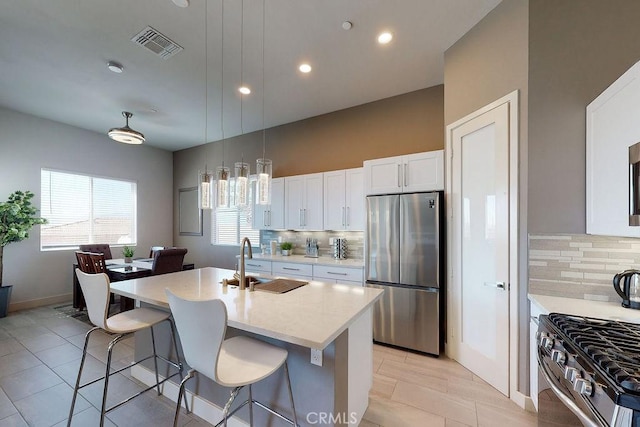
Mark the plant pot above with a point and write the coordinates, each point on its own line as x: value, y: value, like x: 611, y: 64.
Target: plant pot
x: 128, y: 259
x: 5, y: 297
x: 286, y: 252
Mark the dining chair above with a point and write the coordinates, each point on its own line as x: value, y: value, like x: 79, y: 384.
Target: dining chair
x: 97, y: 248
x: 235, y: 362
x: 96, y: 292
x: 168, y: 260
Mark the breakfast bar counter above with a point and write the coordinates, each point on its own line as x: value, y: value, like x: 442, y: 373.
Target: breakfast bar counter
x: 333, y: 318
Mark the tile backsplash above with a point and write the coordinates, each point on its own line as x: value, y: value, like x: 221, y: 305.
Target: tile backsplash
x: 355, y: 241
x: 579, y: 265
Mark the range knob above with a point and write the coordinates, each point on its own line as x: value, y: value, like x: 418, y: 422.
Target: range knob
x: 546, y: 342
x: 583, y: 386
x: 559, y: 356
x: 570, y: 373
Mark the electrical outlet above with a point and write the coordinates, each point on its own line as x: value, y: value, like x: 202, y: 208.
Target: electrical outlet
x: 316, y: 357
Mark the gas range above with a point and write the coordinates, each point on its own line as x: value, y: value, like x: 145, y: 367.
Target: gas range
x: 593, y: 366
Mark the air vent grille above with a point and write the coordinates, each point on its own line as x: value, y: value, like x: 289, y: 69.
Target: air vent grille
x: 157, y: 43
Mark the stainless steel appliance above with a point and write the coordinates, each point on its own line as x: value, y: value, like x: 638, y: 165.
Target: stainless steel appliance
x: 593, y: 367
x: 634, y: 184
x: 404, y: 256
x: 627, y: 285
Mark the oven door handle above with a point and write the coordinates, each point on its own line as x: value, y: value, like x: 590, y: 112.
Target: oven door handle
x: 584, y: 418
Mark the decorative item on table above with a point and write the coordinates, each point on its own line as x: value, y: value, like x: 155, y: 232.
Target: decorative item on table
x: 311, y: 248
x: 340, y: 248
x: 127, y: 253
x: 287, y: 248
x: 17, y: 217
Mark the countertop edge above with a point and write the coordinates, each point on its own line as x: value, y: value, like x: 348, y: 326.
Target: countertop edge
x: 610, y: 310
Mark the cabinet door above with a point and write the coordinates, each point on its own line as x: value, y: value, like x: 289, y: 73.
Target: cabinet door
x: 276, y: 212
x: 423, y: 171
x: 355, y: 200
x: 335, y: 210
x: 293, y: 202
x: 313, y: 208
x: 383, y: 176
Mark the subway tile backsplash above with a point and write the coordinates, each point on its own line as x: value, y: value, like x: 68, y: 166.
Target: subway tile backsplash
x: 579, y: 265
x: 355, y: 241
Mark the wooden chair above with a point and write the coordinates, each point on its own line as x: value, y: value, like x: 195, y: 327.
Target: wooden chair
x: 168, y: 261
x: 98, y: 248
x: 91, y: 263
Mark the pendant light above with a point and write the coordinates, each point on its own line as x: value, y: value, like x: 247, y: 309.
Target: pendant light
x: 205, y: 179
x: 222, y: 172
x: 126, y: 134
x: 264, y: 167
x: 242, y: 168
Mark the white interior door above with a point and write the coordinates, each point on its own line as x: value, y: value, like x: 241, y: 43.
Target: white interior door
x: 479, y: 222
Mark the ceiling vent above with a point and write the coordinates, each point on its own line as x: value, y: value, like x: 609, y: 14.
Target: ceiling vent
x: 157, y: 43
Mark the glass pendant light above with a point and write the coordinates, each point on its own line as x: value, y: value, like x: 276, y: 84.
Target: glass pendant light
x: 242, y: 183
x: 264, y: 167
x: 222, y: 172
x: 205, y: 188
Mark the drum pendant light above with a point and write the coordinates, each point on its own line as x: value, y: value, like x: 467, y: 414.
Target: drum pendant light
x: 125, y: 134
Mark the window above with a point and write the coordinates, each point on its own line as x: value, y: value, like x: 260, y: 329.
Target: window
x: 83, y: 209
x: 230, y: 225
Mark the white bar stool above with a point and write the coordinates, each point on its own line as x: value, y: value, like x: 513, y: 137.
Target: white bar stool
x: 95, y: 288
x: 235, y: 362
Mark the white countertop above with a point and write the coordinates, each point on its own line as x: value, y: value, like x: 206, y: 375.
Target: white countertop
x: 301, y: 259
x: 311, y: 316
x: 582, y: 307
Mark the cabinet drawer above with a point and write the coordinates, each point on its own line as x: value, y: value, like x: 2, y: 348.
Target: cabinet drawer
x: 257, y: 266
x: 289, y: 268
x: 337, y: 273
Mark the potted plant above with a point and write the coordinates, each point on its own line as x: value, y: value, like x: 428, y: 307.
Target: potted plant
x: 128, y: 252
x: 17, y: 217
x: 287, y: 248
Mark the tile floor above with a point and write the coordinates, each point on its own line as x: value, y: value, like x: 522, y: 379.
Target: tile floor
x: 40, y: 350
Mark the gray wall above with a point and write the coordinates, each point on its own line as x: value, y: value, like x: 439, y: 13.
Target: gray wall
x: 27, y: 144
x: 404, y: 124
x: 488, y: 62
x: 576, y: 50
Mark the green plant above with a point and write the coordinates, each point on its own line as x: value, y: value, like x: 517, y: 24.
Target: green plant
x: 286, y: 246
x: 128, y: 251
x: 17, y: 217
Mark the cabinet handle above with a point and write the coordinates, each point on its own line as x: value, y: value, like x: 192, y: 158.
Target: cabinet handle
x: 304, y: 215
x: 300, y: 218
x: 343, y: 217
x: 253, y: 265
x: 269, y: 217
x: 264, y: 218
x: 337, y: 274
x: 405, y: 174
x: 289, y: 268
x: 348, y: 216
x: 399, y: 173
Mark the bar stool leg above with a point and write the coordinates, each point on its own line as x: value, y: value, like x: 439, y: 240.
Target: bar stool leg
x: 293, y: 406
x: 250, y: 407
x: 106, y: 378
x: 174, y: 336
x: 75, y: 390
x: 155, y: 359
x: 180, y: 394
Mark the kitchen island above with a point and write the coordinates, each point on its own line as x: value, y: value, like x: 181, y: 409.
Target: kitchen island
x: 333, y: 318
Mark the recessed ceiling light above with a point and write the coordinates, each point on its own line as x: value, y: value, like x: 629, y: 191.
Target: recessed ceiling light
x: 304, y: 68
x: 347, y: 25
x: 115, y: 67
x: 181, y: 3
x: 244, y: 90
x: 385, y: 37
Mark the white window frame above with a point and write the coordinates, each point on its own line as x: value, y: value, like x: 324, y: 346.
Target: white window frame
x: 250, y: 208
x: 75, y: 246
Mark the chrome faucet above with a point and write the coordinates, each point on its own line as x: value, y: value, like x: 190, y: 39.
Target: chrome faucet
x: 243, y: 285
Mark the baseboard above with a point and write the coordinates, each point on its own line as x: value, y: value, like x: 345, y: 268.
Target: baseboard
x: 34, y: 303
x: 206, y: 410
x: 529, y: 406
x: 521, y: 400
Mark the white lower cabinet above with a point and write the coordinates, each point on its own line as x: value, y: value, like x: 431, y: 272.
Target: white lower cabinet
x: 257, y: 266
x: 330, y: 274
x: 292, y: 269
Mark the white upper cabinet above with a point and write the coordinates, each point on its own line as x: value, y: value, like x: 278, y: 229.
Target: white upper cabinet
x: 304, y: 202
x: 271, y: 217
x: 612, y: 126
x: 344, y: 200
x: 405, y: 174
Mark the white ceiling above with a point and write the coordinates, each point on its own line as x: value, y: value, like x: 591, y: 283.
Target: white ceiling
x: 53, y: 57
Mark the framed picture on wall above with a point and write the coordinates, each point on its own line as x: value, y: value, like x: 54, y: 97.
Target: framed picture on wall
x: 189, y: 216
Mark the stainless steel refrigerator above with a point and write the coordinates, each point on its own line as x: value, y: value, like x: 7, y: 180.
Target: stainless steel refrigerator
x: 404, y: 255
